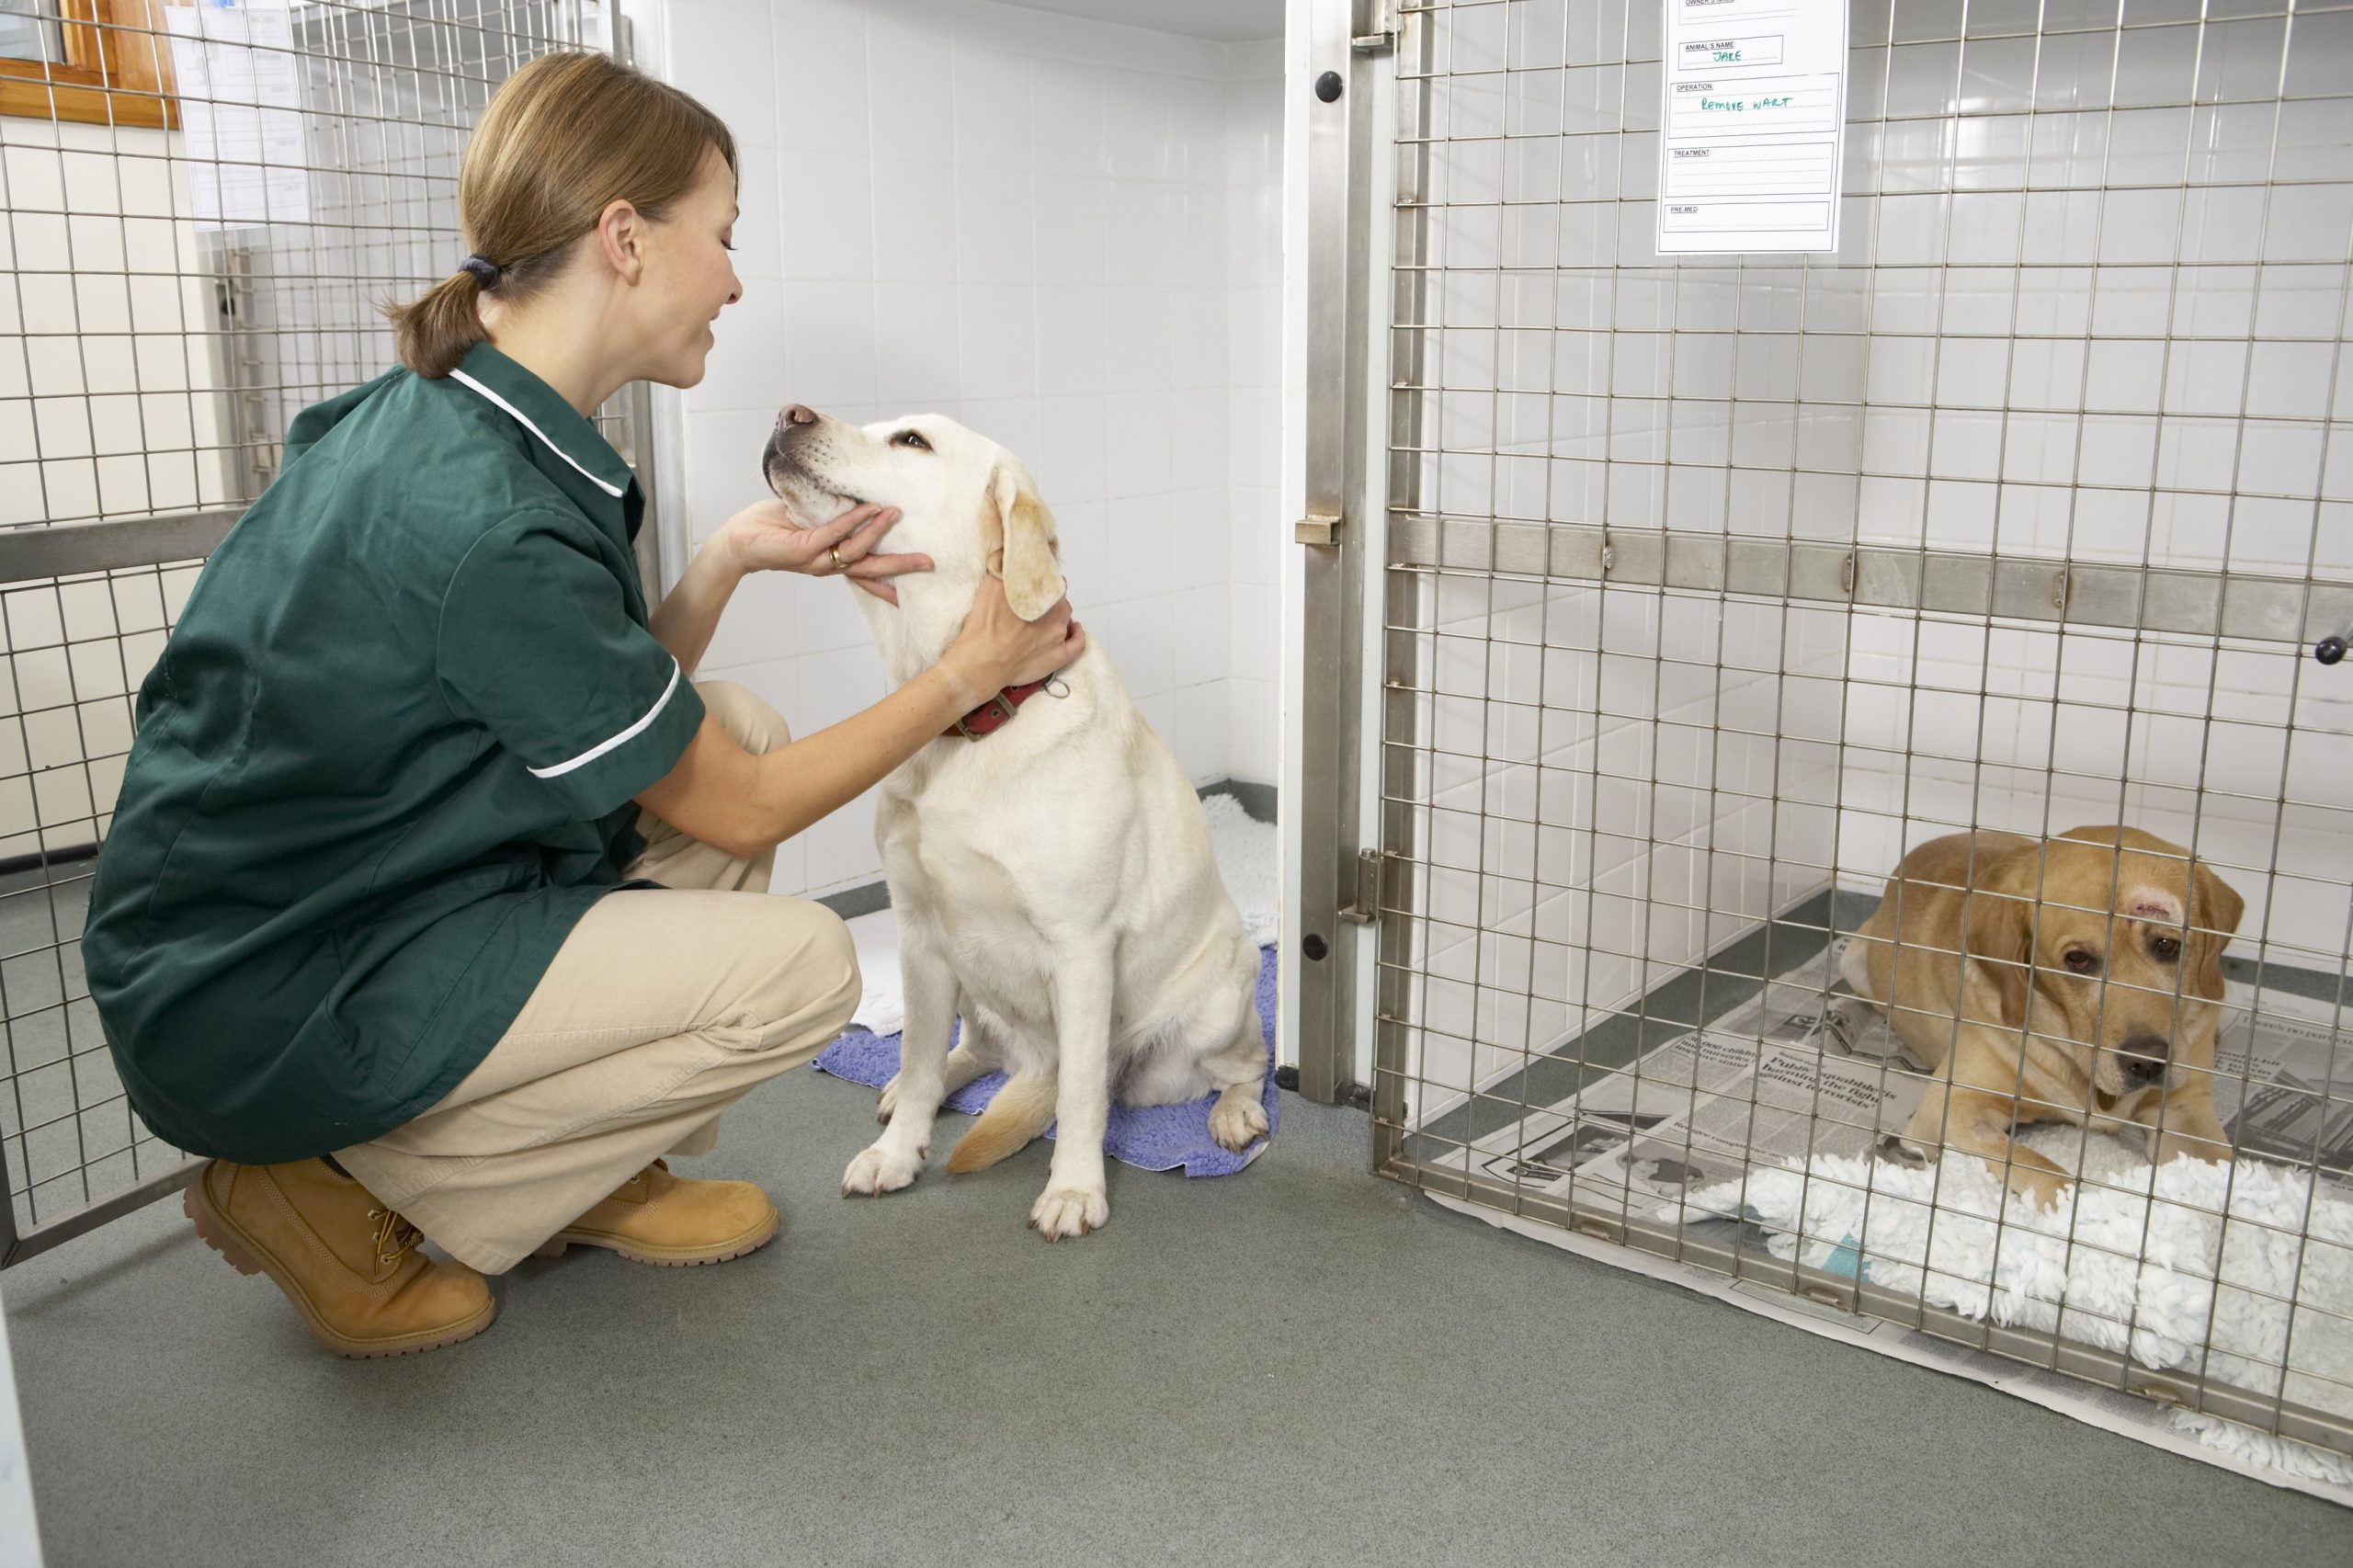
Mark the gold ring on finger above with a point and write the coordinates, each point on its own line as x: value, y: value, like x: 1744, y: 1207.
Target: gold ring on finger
x: 837, y: 554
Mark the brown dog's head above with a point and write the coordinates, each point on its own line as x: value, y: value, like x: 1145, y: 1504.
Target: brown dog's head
x: 2115, y: 939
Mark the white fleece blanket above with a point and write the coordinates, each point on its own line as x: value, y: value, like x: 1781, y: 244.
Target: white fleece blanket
x: 1248, y: 857
x: 2152, y: 1268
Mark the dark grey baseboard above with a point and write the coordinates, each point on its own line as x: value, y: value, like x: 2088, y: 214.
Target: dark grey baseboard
x: 12, y: 864
x: 851, y: 903
x: 1259, y: 800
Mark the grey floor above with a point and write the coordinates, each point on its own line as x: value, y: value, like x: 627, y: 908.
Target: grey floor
x: 1297, y: 1365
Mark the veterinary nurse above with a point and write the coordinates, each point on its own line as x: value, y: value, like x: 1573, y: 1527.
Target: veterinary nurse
x: 434, y: 903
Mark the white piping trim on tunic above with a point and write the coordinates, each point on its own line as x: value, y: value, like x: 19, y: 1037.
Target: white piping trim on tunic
x: 593, y: 753
x: 525, y: 420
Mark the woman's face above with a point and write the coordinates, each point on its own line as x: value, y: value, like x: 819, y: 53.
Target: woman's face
x: 690, y: 277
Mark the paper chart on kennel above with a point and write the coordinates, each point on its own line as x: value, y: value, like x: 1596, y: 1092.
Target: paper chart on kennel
x: 1801, y: 1069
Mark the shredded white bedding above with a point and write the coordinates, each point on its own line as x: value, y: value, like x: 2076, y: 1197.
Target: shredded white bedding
x: 2137, y: 1259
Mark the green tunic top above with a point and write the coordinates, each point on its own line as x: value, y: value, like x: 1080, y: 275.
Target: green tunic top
x: 383, y: 766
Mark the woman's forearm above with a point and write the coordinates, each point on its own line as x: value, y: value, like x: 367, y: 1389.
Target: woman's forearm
x: 817, y: 775
x: 747, y: 802
x: 685, y: 619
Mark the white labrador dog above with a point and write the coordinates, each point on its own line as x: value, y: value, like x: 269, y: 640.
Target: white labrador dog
x: 1053, y: 879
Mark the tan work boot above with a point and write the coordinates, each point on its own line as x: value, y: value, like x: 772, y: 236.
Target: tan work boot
x: 655, y: 1217
x: 349, y: 1264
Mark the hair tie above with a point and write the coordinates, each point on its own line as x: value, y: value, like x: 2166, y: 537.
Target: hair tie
x: 486, y: 271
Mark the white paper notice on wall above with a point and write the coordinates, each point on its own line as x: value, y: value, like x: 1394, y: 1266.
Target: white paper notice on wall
x: 1753, y: 129
x: 241, y: 120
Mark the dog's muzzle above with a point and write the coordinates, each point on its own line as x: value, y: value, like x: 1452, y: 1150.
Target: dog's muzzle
x: 785, y: 456
x: 2144, y: 1059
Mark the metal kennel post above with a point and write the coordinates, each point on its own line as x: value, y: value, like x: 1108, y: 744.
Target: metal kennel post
x: 178, y: 287
x: 1710, y: 585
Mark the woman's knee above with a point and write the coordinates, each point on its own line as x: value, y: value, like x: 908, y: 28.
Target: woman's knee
x: 744, y: 713
x: 837, y: 957
x: 813, y: 982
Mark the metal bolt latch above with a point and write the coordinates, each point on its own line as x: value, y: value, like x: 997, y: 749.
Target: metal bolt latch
x: 1366, y: 907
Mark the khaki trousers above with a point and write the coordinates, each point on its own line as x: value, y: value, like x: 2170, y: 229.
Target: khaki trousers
x: 664, y: 1007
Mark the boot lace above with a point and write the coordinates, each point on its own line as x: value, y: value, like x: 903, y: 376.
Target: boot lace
x: 395, y: 1237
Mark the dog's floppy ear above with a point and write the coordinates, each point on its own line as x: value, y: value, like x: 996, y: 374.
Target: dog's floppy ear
x: 1018, y: 539
x: 2000, y: 911
x: 2213, y: 917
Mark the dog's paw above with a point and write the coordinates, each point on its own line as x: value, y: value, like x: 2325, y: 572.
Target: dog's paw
x: 877, y: 1170
x: 2042, y: 1188
x: 1234, y: 1122
x: 1069, y: 1211
x: 889, y: 1102
x: 1893, y: 1150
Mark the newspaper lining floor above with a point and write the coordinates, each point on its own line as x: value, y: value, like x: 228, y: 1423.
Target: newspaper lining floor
x: 1801, y: 1070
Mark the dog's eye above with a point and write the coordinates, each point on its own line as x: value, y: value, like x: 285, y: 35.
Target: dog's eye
x: 911, y: 439
x: 2081, y: 962
x: 2167, y: 949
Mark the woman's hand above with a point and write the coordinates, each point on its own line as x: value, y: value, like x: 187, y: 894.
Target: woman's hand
x: 997, y: 649
x: 761, y: 538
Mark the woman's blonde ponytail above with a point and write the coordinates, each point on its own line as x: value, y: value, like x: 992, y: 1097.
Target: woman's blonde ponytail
x: 566, y: 137
x: 434, y: 330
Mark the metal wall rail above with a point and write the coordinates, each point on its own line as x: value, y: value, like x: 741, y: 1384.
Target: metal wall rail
x: 30, y: 555
x: 2229, y: 604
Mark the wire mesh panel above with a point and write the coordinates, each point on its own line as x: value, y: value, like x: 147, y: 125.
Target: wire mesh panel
x: 77, y: 649
x: 194, y: 254
x: 1718, y: 589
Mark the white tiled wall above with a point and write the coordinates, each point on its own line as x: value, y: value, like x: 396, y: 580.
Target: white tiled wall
x: 1062, y: 233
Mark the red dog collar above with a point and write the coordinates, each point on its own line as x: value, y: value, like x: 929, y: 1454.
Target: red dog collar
x: 996, y: 712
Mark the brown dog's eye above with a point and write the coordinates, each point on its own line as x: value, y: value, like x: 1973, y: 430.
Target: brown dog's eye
x: 2081, y: 962
x: 2167, y: 949
x: 911, y: 439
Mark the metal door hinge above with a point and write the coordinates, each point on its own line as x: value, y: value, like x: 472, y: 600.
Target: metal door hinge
x: 1317, y: 528
x: 1365, y: 908
x: 1379, y: 21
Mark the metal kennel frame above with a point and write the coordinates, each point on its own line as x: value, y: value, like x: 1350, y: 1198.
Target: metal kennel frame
x: 153, y: 351
x: 1708, y: 587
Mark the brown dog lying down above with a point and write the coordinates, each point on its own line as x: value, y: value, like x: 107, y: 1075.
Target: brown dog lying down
x: 2075, y: 980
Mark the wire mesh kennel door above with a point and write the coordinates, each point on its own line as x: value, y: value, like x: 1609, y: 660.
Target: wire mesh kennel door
x: 175, y: 294
x: 1714, y: 588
